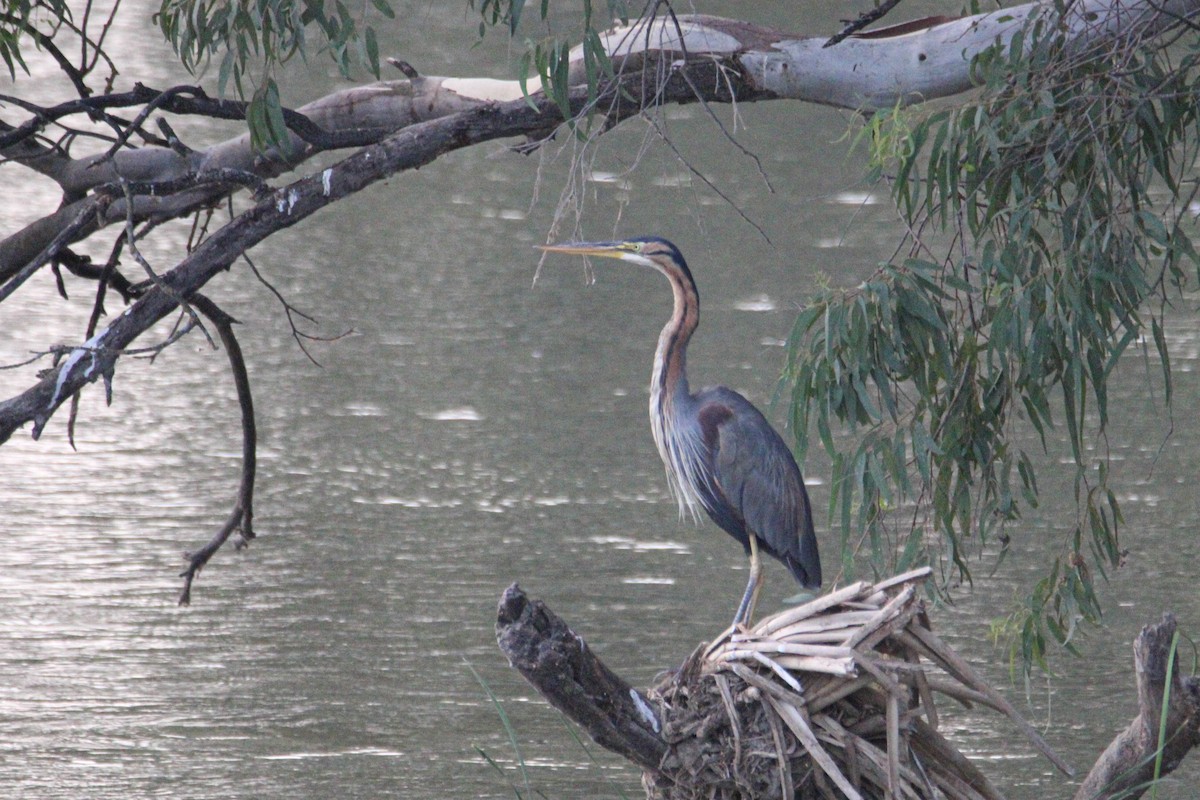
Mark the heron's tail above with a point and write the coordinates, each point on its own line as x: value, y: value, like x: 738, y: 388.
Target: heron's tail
x: 807, y: 566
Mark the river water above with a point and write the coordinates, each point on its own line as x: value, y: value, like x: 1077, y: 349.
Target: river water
x: 475, y: 421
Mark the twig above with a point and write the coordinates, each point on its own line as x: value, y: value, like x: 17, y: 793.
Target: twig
x: 864, y: 19
x: 292, y: 312
x: 735, y: 723
x: 786, y: 788
x: 136, y: 125
x: 240, y: 518
x: 794, y: 720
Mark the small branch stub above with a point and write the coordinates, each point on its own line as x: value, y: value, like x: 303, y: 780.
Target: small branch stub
x: 1126, y: 768
x: 560, y: 665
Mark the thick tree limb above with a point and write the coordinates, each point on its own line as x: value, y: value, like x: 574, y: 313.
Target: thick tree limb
x: 1126, y: 768
x: 349, y: 118
x: 905, y: 64
x: 410, y: 148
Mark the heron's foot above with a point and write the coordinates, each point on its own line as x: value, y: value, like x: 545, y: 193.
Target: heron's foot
x: 741, y: 619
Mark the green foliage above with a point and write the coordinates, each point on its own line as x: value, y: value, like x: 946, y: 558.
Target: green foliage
x: 253, y: 37
x: 18, y: 18
x: 510, y: 732
x: 549, y: 57
x: 1057, y: 203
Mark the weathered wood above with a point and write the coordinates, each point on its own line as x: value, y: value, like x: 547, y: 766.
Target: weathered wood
x: 559, y: 664
x: 679, y: 752
x: 1126, y: 767
x: 749, y: 717
x: 910, y: 63
x: 928, y: 643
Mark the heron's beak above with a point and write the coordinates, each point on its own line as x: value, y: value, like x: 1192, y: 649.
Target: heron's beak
x: 606, y: 249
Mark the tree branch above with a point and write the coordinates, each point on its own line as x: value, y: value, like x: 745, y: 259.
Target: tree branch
x: 410, y: 148
x: 890, y: 66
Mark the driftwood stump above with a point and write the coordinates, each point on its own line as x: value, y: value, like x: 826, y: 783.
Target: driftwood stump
x: 1126, y: 768
x: 833, y: 699
x: 562, y: 668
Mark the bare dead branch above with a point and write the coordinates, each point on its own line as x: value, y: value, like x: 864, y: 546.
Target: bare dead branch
x: 560, y: 665
x: 241, y: 517
x: 83, y: 219
x: 292, y: 312
x: 407, y: 149
x: 222, y: 179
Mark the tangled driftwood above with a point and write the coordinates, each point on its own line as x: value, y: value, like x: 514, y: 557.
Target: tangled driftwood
x: 838, y: 692
x: 832, y: 699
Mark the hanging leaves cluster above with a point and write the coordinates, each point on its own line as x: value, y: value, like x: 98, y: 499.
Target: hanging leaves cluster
x: 549, y: 57
x: 253, y: 37
x: 1050, y: 232
x: 36, y: 19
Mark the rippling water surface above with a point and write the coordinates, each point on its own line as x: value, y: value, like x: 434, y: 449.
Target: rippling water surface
x: 471, y: 428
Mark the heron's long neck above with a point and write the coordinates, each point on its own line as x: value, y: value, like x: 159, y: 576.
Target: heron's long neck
x: 669, y: 379
x: 669, y: 391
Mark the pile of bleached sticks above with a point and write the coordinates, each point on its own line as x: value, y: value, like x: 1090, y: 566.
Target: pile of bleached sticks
x: 853, y: 676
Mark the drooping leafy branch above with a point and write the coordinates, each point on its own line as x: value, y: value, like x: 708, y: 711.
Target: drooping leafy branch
x: 44, y: 23
x: 253, y: 38
x: 551, y: 57
x: 1049, y: 233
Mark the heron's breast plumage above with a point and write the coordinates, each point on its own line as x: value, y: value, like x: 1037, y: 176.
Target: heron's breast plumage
x: 682, y: 448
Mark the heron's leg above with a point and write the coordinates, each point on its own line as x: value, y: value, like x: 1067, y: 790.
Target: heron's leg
x: 753, y: 587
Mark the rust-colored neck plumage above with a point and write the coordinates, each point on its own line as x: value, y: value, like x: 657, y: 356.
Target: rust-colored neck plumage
x: 678, y: 445
x: 670, y: 359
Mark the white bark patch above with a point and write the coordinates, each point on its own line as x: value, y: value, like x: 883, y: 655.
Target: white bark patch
x: 689, y: 35
x: 645, y: 710
x: 490, y: 89
x: 86, y: 349
x: 285, y: 204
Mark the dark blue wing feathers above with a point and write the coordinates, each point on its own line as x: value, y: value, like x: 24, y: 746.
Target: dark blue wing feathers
x: 756, y: 485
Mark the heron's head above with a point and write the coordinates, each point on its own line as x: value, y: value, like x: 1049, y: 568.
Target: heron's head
x: 647, y: 251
